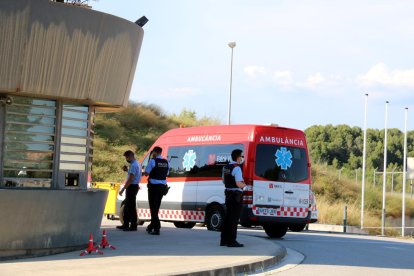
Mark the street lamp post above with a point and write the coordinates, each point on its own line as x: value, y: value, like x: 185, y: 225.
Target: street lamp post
x: 231, y: 44
x: 384, y: 179
x: 364, y: 154
x: 404, y: 174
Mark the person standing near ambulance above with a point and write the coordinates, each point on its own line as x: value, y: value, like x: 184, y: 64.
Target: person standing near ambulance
x: 157, y: 171
x: 234, y: 183
x: 131, y: 186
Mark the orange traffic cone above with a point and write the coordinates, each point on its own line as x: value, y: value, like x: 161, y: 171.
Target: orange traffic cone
x: 104, y: 242
x: 91, y: 248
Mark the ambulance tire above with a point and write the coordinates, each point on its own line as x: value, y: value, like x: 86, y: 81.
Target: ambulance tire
x: 184, y: 224
x: 215, y: 218
x: 121, y: 214
x: 297, y: 227
x: 275, y: 231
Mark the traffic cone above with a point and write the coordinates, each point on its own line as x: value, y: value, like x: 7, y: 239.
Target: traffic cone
x: 91, y: 248
x: 104, y: 242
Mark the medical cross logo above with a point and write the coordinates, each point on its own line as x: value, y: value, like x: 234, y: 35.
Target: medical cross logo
x: 189, y: 160
x: 283, y: 158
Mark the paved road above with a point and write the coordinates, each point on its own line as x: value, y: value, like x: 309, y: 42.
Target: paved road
x: 347, y: 254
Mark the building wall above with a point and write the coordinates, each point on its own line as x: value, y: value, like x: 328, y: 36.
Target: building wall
x: 69, y: 60
x: 59, y: 51
x: 37, y: 222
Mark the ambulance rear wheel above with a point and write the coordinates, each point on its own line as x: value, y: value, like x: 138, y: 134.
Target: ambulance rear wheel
x: 215, y: 218
x: 121, y: 214
x: 184, y: 224
x: 275, y: 231
x: 297, y: 227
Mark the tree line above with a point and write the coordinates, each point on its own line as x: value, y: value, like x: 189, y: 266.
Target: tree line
x: 341, y: 146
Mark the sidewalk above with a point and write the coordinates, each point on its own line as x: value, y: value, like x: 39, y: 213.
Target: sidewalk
x: 176, y: 251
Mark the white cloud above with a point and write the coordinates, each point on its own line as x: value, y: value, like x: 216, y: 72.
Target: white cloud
x: 380, y: 74
x: 283, y: 78
x: 183, y: 92
x: 315, y: 81
x: 254, y: 70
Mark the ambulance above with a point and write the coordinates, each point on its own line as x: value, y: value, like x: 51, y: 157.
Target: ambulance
x: 276, y: 169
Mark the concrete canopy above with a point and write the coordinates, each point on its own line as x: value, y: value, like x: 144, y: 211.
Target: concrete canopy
x: 58, y: 51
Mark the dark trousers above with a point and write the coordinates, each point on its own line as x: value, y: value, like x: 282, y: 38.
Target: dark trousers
x: 231, y: 220
x: 130, y: 208
x: 155, y: 194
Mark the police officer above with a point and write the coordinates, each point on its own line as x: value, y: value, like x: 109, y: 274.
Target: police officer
x: 157, y: 169
x: 234, y: 183
x: 131, y: 186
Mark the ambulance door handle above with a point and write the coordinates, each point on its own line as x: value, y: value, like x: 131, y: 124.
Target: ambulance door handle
x: 288, y: 192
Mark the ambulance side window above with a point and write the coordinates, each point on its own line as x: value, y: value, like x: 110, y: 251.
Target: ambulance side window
x: 183, y: 161
x: 214, y: 157
x: 145, y: 162
x: 200, y: 161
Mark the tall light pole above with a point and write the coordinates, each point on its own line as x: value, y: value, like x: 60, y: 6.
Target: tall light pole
x: 231, y: 44
x: 404, y: 174
x: 364, y: 155
x: 384, y: 178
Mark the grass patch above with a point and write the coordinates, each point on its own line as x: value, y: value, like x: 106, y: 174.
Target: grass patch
x: 334, y: 191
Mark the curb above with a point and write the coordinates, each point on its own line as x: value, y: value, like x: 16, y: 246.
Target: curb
x: 255, y: 267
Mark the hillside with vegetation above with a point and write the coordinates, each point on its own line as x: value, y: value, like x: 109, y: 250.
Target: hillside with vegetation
x: 136, y: 128
x: 335, y: 151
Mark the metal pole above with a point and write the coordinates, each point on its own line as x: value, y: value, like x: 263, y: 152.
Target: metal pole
x: 231, y: 45
x: 364, y: 155
x: 384, y: 179
x: 404, y: 174
x: 345, y: 211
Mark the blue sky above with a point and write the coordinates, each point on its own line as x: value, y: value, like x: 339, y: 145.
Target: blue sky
x: 297, y: 63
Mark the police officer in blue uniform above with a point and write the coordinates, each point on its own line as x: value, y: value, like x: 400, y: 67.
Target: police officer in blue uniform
x: 157, y: 169
x: 234, y: 183
x: 131, y: 186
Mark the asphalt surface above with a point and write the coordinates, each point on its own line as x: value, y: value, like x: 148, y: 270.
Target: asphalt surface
x: 322, y: 253
x: 176, y: 251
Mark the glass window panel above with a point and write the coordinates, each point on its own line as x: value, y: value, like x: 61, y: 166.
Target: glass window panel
x: 32, y: 119
x: 72, y: 123
x: 44, y: 111
x: 31, y: 156
x: 24, y: 166
x: 75, y: 115
x: 19, y: 137
x: 73, y: 149
x: 208, y: 160
x: 33, y: 110
x: 26, y: 183
x: 74, y: 132
x: 69, y: 157
x: 267, y: 167
x: 26, y: 173
x: 72, y: 166
x: 30, y: 128
x: 76, y: 107
x: 71, y: 140
x: 28, y: 146
x: 30, y: 101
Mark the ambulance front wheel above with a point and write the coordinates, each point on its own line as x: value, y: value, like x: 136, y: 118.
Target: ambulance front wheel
x: 215, y: 218
x: 275, y: 230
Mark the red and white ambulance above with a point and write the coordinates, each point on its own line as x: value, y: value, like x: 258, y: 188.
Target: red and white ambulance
x: 276, y: 169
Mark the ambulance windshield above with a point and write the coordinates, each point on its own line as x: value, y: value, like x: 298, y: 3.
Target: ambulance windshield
x: 281, y: 163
